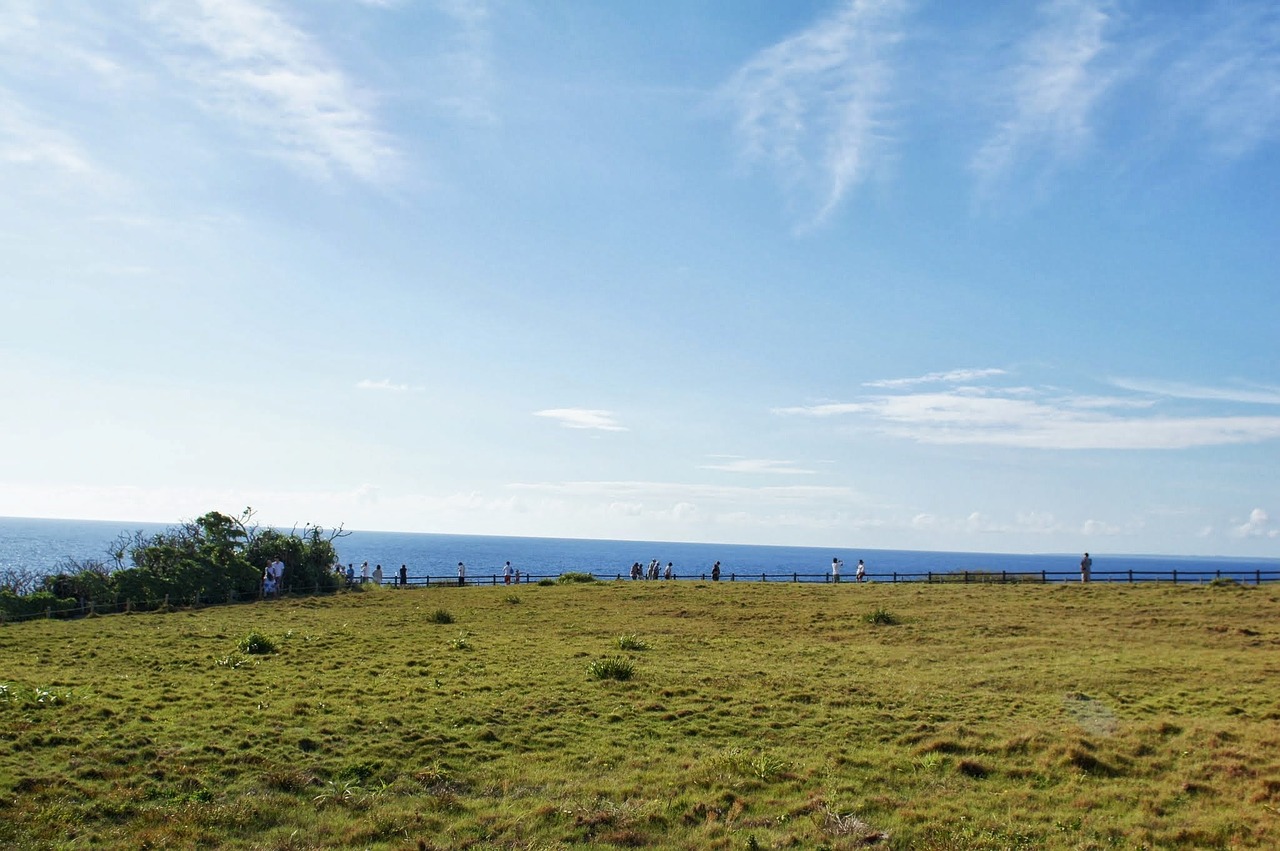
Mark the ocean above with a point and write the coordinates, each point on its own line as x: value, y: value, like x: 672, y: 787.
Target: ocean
x: 42, y: 547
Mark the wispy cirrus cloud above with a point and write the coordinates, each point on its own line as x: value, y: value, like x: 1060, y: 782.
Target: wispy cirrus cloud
x: 29, y: 142
x: 583, y: 418
x: 954, y: 376
x: 736, y: 464
x: 1249, y: 394
x: 1054, y: 91
x: 385, y: 385
x: 816, y: 105
x: 1040, y: 418
x: 254, y: 67
x: 1228, y: 78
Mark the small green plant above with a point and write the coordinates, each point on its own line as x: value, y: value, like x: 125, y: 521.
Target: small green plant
x: 631, y: 641
x: 462, y: 641
x: 611, y: 668
x: 257, y: 644
x: 546, y: 582
x: 337, y: 794
x: 440, y: 616
x: 575, y: 576
x: 234, y: 660
x: 882, y: 617
x: 512, y: 599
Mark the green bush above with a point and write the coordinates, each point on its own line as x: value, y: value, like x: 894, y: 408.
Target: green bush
x: 611, y: 668
x: 546, y: 582
x: 573, y: 576
x: 257, y: 644
x: 440, y: 616
x: 882, y: 617
x: 631, y: 641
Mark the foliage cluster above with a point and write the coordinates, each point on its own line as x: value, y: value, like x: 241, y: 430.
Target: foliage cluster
x: 215, y: 558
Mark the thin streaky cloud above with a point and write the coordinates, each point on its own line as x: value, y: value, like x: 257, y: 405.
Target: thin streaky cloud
x: 816, y: 105
x: 1053, y: 91
x: 954, y: 376
x: 383, y: 384
x: 469, y: 62
x: 757, y: 465
x: 1229, y: 81
x: 958, y: 417
x: 254, y: 67
x: 1248, y: 395
x: 583, y: 418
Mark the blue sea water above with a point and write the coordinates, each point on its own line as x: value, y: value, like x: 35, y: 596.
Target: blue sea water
x: 44, y: 546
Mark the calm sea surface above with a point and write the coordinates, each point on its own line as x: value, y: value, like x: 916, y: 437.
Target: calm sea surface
x: 42, y: 546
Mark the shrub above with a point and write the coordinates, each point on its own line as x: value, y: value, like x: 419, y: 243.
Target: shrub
x: 461, y: 642
x: 257, y: 644
x: 441, y: 616
x: 546, y: 582
x: 631, y: 641
x: 574, y: 576
x: 611, y: 668
x: 882, y: 617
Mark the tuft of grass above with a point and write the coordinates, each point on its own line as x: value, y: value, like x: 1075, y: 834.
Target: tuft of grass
x: 547, y: 582
x: 440, y: 616
x: 461, y: 641
x: 257, y: 644
x: 882, y: 617
x: 611, y: 668
x: 631, y: 641
x: 574, y: 577
x: 512, y: 599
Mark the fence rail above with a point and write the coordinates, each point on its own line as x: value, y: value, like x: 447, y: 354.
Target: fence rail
x: 1128, y: 577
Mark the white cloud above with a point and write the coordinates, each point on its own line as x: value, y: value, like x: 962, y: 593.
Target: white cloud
x: 384, y: 384
x: 756, y: 465
x: 585, y: 418
x: 1054, y: 91
x: 954, y: 376
x: 815, y: 105
x: 28, y: 142
x: 255, y: 68
x: 1257, y: 526
x: 1261, y: 395
x: 1023, y: 417
x: 468, y: 61
x: 1229, y: 80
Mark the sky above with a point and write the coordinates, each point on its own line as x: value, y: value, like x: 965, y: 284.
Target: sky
x: 992, y: 277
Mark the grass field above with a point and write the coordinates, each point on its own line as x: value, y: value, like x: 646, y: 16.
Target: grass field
x: 664, y: 715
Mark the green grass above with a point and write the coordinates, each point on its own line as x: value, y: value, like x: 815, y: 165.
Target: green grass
x: 764, y: 716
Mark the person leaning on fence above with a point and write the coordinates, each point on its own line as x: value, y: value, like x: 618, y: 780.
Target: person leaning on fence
x: 861, y: 573
x: 1086, y: 567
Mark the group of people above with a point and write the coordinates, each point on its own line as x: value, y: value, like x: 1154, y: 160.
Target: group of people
x: 653, y: 571
x: 859, y: 573
x: 273, y: 578
x: 348, y: 574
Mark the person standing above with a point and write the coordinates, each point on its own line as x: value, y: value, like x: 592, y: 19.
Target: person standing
x: 364, y: 573
x: 377, y: 575
x: 506, y: 574
x: 715, y: 572
x: 462, y: 574
x: 404, y: 576
x: 861, y: 572
x: 1086, y: 568
x: 667, y: 573
x: 836, y: 564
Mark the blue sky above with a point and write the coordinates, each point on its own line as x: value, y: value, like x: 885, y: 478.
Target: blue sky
x: 992, y: 277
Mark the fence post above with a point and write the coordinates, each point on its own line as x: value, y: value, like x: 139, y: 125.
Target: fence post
x: 733, y: 577
x: 48, y: 612
x: 930, y: 579
x: 762, y: 579
x: 895, y: 577
x: 1131, y: 576
x: 1175, y: 576
x: 1043, y: 577
x: 1257, y: 577
x: 795, y: 576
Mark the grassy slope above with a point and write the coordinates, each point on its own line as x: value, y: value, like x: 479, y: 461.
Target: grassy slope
x: 1017, y: 716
